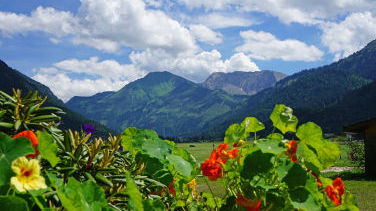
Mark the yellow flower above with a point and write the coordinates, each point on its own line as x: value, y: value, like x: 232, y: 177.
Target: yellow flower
x: 192, y: 184
x: 27, y: 177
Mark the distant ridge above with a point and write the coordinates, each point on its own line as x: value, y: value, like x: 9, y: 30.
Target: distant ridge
x: 243, y: 83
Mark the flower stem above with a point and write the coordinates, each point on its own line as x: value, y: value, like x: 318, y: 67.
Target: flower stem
x: 10, y: 188
x: 215, y: 201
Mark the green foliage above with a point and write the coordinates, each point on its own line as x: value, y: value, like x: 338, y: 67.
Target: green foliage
x: 319, y: 153
x: 135, y: 200
x: 279, y: 174
x: 20, y: 113
x: 283, y: 119
x: 82, y: 196
x: 251, y: 125
x: 48, y: 148
x: 357, y: 152
x: 13, y: 203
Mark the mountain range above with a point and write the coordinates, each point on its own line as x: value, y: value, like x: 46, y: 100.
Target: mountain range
x: 11, y: 78
x: 316, y: 93
x: 243, y: 83
x: 169, y: 104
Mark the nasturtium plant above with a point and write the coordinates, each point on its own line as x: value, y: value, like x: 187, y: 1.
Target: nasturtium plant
x: 273, y: 173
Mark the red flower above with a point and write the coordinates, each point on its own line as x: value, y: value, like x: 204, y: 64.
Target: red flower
x: 29, y: 135
x: 319, y: 183
x: 335, y: 191
x: 292, y: 146
x: 212, y: 166
x: 33, y: 156
x: 33, y: 139
x: 171, y: 188
x: 249, y: 204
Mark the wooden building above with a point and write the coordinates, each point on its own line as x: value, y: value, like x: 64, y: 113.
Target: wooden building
x: 366, y: 129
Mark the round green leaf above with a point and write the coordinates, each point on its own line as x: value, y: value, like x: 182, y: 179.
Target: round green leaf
x: 13, y: 203
x: 283, y: 119
x: 47, y: 147
x: 234, y: 133
x: 251, y: 125
x: 180, y: 165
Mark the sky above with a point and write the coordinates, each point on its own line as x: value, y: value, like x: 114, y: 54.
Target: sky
x: 82, y: 47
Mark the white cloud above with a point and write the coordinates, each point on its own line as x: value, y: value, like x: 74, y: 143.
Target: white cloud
x: 241, y: 62
x: 265, y: 46
x: 204, y: 34
x: 54, y: 40
x: 108, y: 75
x: 217, y: 21
x: 106, y: 25
x: 65, y: 88
x: 306, y: 12
x: 350, y: 35
x: 196, y: 67
x: 49, y: 20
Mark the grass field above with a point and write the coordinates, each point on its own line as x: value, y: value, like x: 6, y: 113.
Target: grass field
x: 363, y: 189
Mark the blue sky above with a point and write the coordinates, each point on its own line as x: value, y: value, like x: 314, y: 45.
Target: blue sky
x: 79, y: 48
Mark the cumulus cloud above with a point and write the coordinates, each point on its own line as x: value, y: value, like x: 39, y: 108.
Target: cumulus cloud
x: 108, y: 75
x: 65, y: 87
x: 350, y: 35
x: 49, y: 20
x: 265, y: 46
x: 106, y: 25
x: 196, y: 67
x: 306, y: 12
x: 204, y: 34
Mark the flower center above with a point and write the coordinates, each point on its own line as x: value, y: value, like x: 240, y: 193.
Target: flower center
x: 26, y: 173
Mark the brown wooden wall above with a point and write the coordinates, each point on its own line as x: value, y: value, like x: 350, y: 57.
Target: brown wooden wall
x: 370, y: 150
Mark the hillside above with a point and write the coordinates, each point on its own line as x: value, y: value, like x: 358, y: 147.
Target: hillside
x: 169, y: 104
x: 310, y: 91
x: 243, y: 83
x: 355, y: 106
x: 11, y: 78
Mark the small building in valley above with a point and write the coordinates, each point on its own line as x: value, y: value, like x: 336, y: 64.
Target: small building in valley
x: 367, y: 130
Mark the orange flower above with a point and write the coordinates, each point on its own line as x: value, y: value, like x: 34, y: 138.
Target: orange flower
x: 239, y: 143
x: 292, y: 146
x: 212, y: 166
x: 171, y: 188
x: 29, y: 135
x: 233, y: 153
x: 222, y: 152
x: 335, y: 191
x: 249, y: 204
